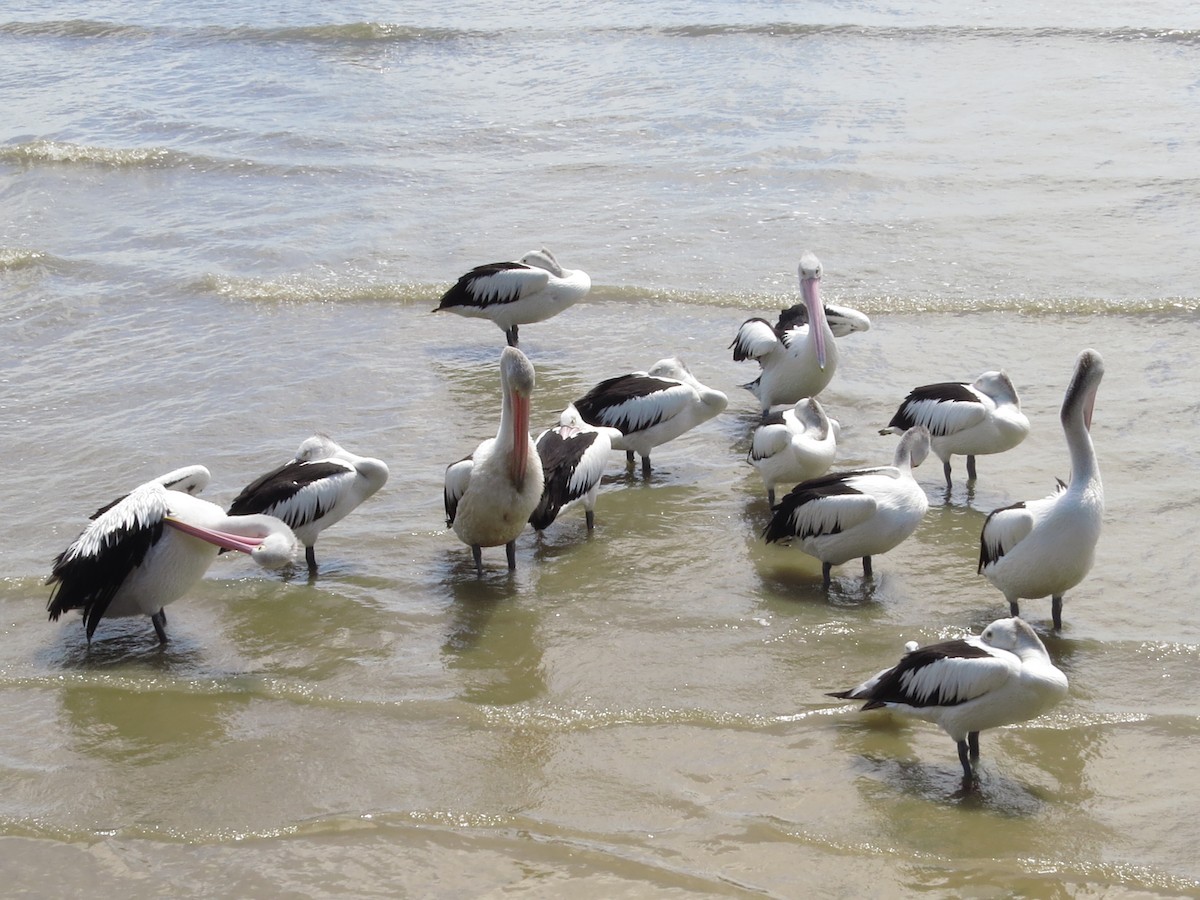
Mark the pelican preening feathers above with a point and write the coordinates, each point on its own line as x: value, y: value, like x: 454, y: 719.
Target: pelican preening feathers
x: 793, y: 444
x: 573, y: 455
x: 1045, y: 547
x: 322, y: 484
x: 965, y: 419
x: 148, y: 548
x: 491, y: 494
x: 1002, y: 677
x: 516, y: 293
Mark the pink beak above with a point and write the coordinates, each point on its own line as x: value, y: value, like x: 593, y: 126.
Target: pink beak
x: 222, y: 539
x: 810, y: 288
x: 520, y: 455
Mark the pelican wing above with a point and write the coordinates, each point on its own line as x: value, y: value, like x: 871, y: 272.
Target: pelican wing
x: 572, y: 464
x: 754, y: 340
x: 297, y: 492
x: 943, y: 408
x: 458, y: 476
x: 943, y: 674
x: 826, y: 505
x: 842, y: 319
x: 1003, y: 529
x: 635, y: 402
x: 502, y: 282
x: 768, y: 440
x: 88, y: 574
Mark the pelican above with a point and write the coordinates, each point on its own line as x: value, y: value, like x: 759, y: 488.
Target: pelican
x: 322, y: 484
x: 793, y: 444
x: 1002, y: 677
x: 149, y: 547
x: 491, y: 494
x: 972, y: 419
x: 797, y: 361
x: 573, y: 455
x: 843, y: 320
x: 650, y: 408
x: 857, y: 513
x: 1045, y: 547
x: 517, y: 293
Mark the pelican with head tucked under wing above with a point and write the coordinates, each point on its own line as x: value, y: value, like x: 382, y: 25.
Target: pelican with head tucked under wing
x: 516, y: 293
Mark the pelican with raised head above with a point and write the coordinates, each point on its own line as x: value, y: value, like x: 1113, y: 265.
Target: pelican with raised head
x: 857, y: 513
x: 797, y: 360
x: 1040, y: 548
x: 148, y: 548
x: 1001, y: 677
x: 964, y: 419
x: 490, y: 494
x: 516, y: 293
x: 322, y: 484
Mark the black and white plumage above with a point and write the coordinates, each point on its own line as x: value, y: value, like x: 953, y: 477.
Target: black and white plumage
x: 793, y: 444
x: 857, y: 513
x: 150, y: 547
x: 843, y: 320
x: 797, y: 360
x: 965, y: 419
x: 516, y: 293
x: 490, y: 495
x: 1001, y: 677
x: 650, y: 408
x: 322, y: 484
x: 573, y: 455
x: 1039, y: 548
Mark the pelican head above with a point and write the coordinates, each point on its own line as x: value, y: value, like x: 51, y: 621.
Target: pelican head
x: 1011, y: 634
x: 913, y: 447
x: 998, y: 386
x: 543, y: 259
x: 319, y: 446
x: 1081, y: 393
x: 810, y: 290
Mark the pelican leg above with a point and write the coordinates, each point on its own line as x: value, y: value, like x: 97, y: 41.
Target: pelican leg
x: 1014, y: 608
x: 826, y: 575
x: 971, y: 467
x: 867, y: 572
x: 159, y: 620
x: 477, y: 555
x: 310, y: 557
x: 629, y: 459
x: 590, y: 517
x: 973, y: 744
x: 511, y: 335
x: 646, y: 466
x: 946, y: 470
x: 1056, y: 611
x: 964, y: 757
x: 771, y: 497
x: 510, y: 550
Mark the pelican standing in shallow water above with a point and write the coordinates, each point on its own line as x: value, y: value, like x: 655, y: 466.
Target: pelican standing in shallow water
x: 491, y: 494
x: 797, y: 361
x: 516, y: 293
x: 858, y: 513
x: 1002, y: 677
x: 650, y: 408
x: 573, y: 456
x: 150, y: 547
x: 322, y: 484
x: 964, y: 419
x: 793, y: 444
x: 1045, y: 547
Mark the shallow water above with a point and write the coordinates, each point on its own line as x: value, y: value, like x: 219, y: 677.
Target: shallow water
x: 229, y: 233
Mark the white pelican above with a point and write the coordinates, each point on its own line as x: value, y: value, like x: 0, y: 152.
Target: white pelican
x: 971, y: 419
x: 650, y: 408
x: 517, y: 293
x: 858, y: 513
x: 793, y: 444
x: 1045, y: 547
x: 148, y: 549
x: 1002, y: 677
x: 797, y: 361
x: 320, y: 485
x: 491, y: 494
x: 573, y: 457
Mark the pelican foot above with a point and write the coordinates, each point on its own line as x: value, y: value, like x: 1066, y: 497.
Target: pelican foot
x: 159, y: 620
